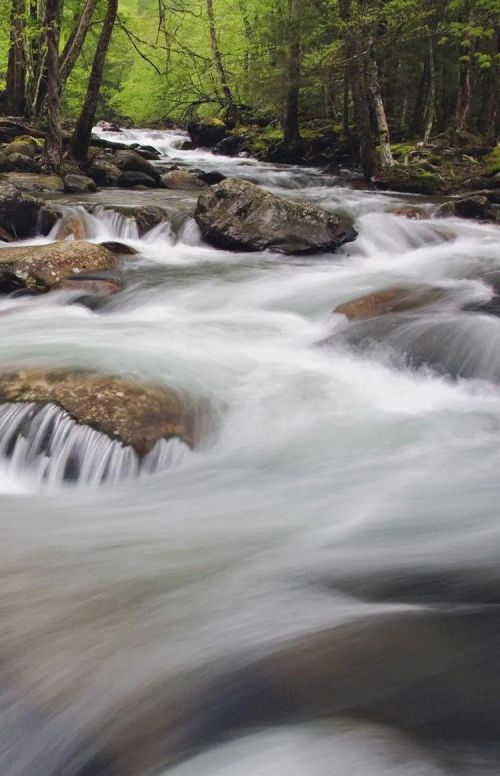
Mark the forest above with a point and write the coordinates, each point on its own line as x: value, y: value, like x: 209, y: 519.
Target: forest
x: 368, y: 78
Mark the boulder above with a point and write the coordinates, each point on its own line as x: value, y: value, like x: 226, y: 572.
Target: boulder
x: 146, y: 151
x: 45, y: 265
x: 79, y: 184
x: 48, y: 217
x: 119, y: 248
x: 414, y: 213
x: 33, y: 182
x: 212, y: 177
x: 18, y: 211
x: 182, y: 179
x: 206, y: 133
x: 103, y: 171
x: 475, y: 206
x: 237, y: 215
x: 24, y: 145
x: 389, y: 300
x: 21, y: 163
x: 130, y: 161
x: 148, y: 217
x: 232, y: 145
x: 88, y: 284
x: 136, y: 414
x: 128, y: 180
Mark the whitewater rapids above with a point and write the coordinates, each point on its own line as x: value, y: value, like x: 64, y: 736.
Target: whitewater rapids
x: 346, y: 454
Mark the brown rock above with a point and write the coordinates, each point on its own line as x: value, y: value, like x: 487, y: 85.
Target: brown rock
x: 130, y: 161
x: 119, y: 248
x: 90, y: 285
x: 415, y: 213
x: 148, y: 217
x: 138, y: 415
x: 46, y: 265
x: 182, y: 179
x: 389, y: 300
x: 33, y: 182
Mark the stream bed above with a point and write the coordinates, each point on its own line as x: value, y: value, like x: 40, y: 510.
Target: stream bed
x: 168, y: 622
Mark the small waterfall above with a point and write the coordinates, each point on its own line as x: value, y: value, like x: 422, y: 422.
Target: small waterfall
x: 102, y: 224
x: 44, y: 442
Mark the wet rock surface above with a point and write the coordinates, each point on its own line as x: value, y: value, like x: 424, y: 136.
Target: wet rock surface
x: 476, y: 206
x: 137, y: 414
x: 237, y: 215
x: 79, y: 184
x: 148, y: 217
x: 45, y: 265
x: 33, y: 182
x: 18, y: 211
x: 389, y: 300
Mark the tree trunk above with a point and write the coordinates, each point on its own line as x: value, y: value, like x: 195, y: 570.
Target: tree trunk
x: 76, y: 40
x: 377, y: 102
x: 464, y: 97
x: 232, y: 110
x: 83, y: 130
x: 52, y: 153
x: 430, y: 109
x: 493, y: 85
x: 16, y: 67
x: 345, y: 106
x: 291, y: 131
x: 359, y: 93
x: 416, y: 127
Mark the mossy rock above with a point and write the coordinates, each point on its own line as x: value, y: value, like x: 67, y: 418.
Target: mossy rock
x: 493, y: 162
x: 400, y: 150
x: 410, y: 180
x: 213, y: 122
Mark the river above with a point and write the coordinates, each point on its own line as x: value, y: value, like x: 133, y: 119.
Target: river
x: 354, y: 479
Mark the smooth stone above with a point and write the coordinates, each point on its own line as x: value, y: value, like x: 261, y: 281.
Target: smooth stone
x: 119, y: 248
x: 238, y: 215
x: 137, y: 414
x: 182, y: 179
x: 148, y: 217
x: 130, y: 161
x: 46, y: 265
x: 131, y: 179
x: 389, y: 300
x: 33, y: 182
x: 79, y: 184
x: 90, y: 285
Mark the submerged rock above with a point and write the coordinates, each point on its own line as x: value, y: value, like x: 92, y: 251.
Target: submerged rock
x: 389, y: 300
x: 414, y: 213
x: 91, y: 285
x: 18, y: 211
x: 137, y: 414
x: 237, y: 215
x: 121, y: 249
x: 45, y: 265
x: 79, y: 184
x: 148, y: 217
x: 48, y: 217
x: 71, y: 226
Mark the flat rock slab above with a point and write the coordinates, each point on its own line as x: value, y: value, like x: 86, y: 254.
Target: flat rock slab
x: 46, y: 265
x: 33, y: 182
x: 136, y: 414
x: 237, y: 215
x: 389, y: 300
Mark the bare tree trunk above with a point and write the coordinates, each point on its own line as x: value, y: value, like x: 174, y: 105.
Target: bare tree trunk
x: 83, y: 130
x: 373, y: 83
x: 345, y: 107
x: 291, y: 131
x: 430, y: 109
x: 464, y: 97
x: 232, y: 110
x: 16, y: 67
x: 52, y: 153
x: 76, y: 40
x: 359, y: 93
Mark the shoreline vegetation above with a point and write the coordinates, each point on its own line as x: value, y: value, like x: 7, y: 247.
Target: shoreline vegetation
x: 404, y: 92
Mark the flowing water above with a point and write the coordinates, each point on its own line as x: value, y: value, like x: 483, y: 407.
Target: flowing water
x: 315, y: 589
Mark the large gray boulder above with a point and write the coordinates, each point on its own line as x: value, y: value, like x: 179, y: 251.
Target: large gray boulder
x: 137, y: 414
x: 237, y: 215
x: 44, y: 266
x: 130, y: 161
x: 18, y: 211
